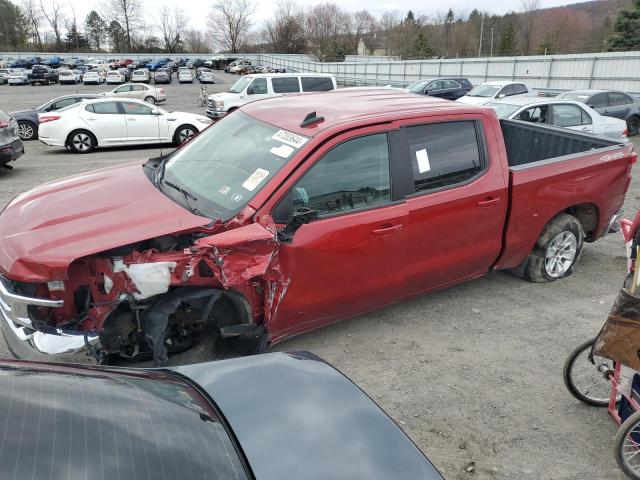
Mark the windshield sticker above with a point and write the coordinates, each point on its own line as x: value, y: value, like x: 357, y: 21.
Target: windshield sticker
x: 423, y: 161
x: 254, y: 180
x: 282, y: 151
x: 236, y: 197
x: 224, y: 189
x: 289, y: 138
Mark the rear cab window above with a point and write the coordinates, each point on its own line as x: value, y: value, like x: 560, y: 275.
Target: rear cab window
x: 316, y: 84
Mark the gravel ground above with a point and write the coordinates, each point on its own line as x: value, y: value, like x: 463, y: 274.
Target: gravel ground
x: 473, y: 373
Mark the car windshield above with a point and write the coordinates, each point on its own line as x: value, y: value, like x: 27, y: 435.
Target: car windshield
x: 240, y: 85
x: 484, y: 91
x: 417, y: 87
x: 227, y: 165
x: 503, y: 110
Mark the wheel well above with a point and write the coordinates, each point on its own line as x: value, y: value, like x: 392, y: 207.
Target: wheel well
x: 232, y: 308
x: 68, y: 143
x: 232, y: 109
x: 588, y: 215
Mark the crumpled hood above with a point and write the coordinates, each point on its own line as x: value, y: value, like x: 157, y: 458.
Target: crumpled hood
x: 43, y: 230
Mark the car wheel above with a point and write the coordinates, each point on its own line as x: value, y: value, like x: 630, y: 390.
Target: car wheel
x: 82, y: 141
x: 633, y: 125
x: 150, y: 100
x: 557, y: 250
x: 26, y: 130
x: 184, y: 133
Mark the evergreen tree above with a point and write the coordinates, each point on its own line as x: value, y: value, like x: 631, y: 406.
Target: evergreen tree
x: 117, y: 37
x: 508, y: 40
x: 626, y: 30
x: 13, y: 26
x: 421, y: 49
x: 96, y: 29
x: 74, y: 39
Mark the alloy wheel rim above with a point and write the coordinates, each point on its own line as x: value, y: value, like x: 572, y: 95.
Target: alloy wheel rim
x: 587, y: 377
x: 561, y: 254
x: 25, y: 131
x: 631, y: 449
x: 184, y: 134
x: 81, y: 142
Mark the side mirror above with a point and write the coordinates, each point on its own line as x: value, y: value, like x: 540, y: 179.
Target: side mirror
x: 250, y: 90
x: 591, y: 106
x: 300, y: 217
x: 156, y: 111
x: 502, y: 95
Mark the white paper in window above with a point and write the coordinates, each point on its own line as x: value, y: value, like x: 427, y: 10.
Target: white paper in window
x: 423, y: 161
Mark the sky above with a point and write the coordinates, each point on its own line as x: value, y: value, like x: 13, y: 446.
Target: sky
x: 197, y: 9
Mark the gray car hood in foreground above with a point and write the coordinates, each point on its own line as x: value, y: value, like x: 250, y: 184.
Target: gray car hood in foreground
x: 296, y: 417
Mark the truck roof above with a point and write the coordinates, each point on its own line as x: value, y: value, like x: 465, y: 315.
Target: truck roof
x: 348, y: 105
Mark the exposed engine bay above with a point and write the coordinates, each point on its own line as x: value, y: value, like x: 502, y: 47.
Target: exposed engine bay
x: 157, y: 297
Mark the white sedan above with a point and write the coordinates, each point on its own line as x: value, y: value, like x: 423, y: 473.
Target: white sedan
x: 560, y: 113
x: 114, y: 76
x: 92, y: 77
x: 107, y: 122
x: 185, y: 76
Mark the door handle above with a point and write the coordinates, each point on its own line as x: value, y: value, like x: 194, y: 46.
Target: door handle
x: 129, y: 119
x: 386, y: 229
x: 585, y: 129
x: 92, y: 119
x: 489, y: 202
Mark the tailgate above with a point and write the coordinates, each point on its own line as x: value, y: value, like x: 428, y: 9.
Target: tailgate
x: 593, y: 182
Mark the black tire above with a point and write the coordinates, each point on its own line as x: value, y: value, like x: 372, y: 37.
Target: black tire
x: 180, y: 136
x: 82, y: 141
x: 598, y: 379
x: 633, y: 125
x: 539, y: 267
x: 625, y: 429
x: 150, y: 100
x: 27, y: 131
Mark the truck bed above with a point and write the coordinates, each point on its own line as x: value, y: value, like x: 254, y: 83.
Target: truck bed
x: 554, y: 170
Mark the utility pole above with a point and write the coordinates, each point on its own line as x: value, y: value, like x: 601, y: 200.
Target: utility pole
x: 491, y: 54
x: 480, y: 43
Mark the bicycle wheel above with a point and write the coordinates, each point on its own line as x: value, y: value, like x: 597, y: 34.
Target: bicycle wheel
x: 584, y: 379
x: 626, y: 446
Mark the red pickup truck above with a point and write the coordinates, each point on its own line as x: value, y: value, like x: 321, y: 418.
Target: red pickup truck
x: 293, y: 213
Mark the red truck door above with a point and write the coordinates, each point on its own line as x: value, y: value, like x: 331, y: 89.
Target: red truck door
x: 458, y: 208
x: 350, y: 259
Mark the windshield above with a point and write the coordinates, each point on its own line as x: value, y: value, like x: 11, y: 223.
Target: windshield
x: 227, y: 165
x: 484, y: 91
x: 417, y: 87
x: 240, y: 85
x: 503, y: 110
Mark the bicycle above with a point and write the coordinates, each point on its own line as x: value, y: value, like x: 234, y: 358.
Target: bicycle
x: 203, y: 97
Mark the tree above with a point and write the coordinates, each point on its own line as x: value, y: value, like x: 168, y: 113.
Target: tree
x: 528, y: 22
x: 33, y: 16
x: 284, y: 31
x: 172, y: 24
x: 55, y: 17
x: 421, y: 48
x: 362, y: 25
x: 448, y: 27
x: 626, y: 29
x: 128, y: 11
x: 229, y: 22
x: 96, y: 29
x: 117, y: 37
x: 74, y: 39
x: 507, y: 42
x: 195, y: 41
x: 327, y: 26
x: 13, y: 26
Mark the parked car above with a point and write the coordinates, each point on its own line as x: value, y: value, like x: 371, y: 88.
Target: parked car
x: 42, y: 75
x: 142, y: 92
x: 140, y: 75
x: 26, y: 63
x: 28, y: 119
x: 560, y: 113
x: 113, y: 122
x: 261, y: 209
x: 126, y: 72
x: 153, y: 66
x: 256, y: 87
x: 449, y: 88
x: 610, y: 103
x: 205, y: 75
x: 68, y: 76
x: 124, y: 63
x: 490, y: 91
x: 53, y: 61
x: 185, y: 76
x: 92, y: 77
x: 11, y: 147
x: 4, y: 75
x: 18, y: 76
x: 194, y: 422
x: 115, y: 76
x: 162, y: 75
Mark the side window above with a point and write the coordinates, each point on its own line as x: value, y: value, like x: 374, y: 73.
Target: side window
x: 133, y: 108
x: 137, y: 88
x: 63, y: 103
x: 520, y: 89
x: 316, y: 84
x: 258, y: 86
x: 285, y: 84
x: 617, y: 98
x: 353, y: 175
x: 123, y: 89
x: 452, y: 84
x: 507, y: 91
x: 567, y: 116
x: 534, y: 114
x: 599, y: 100
x: 435, y: 85
x: 108, y: 108
x: 443, y: 154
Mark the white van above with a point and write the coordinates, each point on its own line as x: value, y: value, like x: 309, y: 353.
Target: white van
x: 266, y: 85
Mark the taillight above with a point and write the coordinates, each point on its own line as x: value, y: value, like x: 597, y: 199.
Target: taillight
x: 625, y: 133
x: 633, y: 157
x: 4, y: 123
x: 49, y: 118
x: 162, y: 90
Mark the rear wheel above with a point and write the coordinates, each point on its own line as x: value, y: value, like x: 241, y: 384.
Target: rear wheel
x: 585, y: 379
x: 633, y: 125
x: 26, y: 130
x: 150, y: 100
x: 557, y: 250
x: 184, y: 133
x: 626, y: 447
x: 82, y: 141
